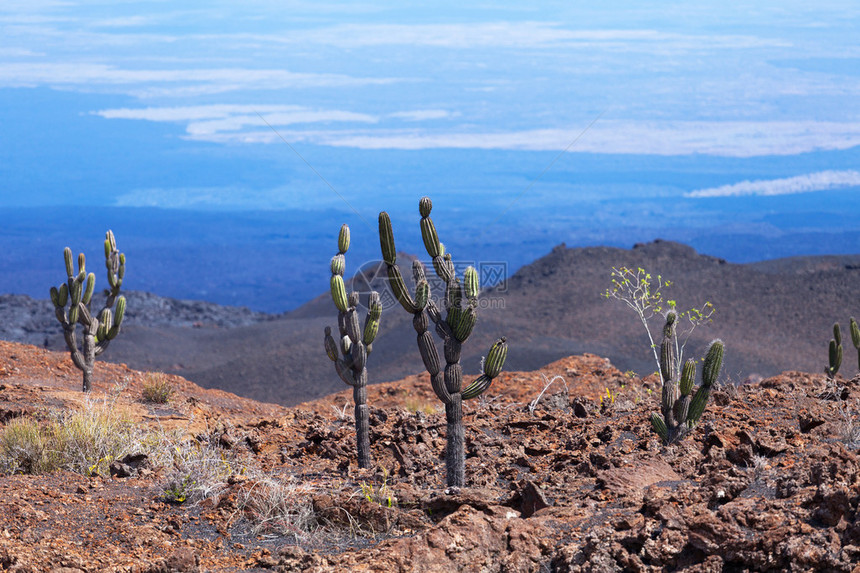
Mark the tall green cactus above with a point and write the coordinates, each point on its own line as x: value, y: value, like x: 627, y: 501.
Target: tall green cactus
x: 355, y: 344
x: 77, y: 293
x: 680, y: 408
x: 461, y: 303
x: 834, y: 353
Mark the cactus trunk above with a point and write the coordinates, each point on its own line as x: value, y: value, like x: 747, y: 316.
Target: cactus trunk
x: 362, y: 424
x: 455, y: 454
x: 89, y: 355
x: 88, y: 376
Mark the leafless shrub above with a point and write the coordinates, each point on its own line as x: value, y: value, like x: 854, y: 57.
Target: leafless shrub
x: 277, y: 507
x: 533, y: 404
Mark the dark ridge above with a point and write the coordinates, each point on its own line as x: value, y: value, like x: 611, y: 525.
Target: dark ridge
x: 773, y: 316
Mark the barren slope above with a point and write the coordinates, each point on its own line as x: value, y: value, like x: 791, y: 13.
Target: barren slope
x: 580, y: 484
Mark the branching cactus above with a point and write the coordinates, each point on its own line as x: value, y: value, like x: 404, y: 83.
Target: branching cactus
x: 461, y: 303
x: 355, y: 344
x: 681, y: 409
x: 835, y: 352
x: 72, y: 307
x: 855, y: 339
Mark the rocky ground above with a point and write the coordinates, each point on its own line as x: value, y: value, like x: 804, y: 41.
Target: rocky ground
x: 32, y: 321
x: 576, y: 482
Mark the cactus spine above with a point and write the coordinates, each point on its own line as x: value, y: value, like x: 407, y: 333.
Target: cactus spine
x: 355, y: 344
x: 835, y: 352
x: 461, y: 303
x: 77, y: 293
x: 681, y: 409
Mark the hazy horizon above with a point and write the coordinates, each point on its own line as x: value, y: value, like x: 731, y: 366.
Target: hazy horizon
x: 249, y: 134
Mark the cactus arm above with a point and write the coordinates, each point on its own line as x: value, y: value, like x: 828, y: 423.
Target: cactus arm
x: 834, y: 357
x: 492, y: 368
x: 834, y: 354
x: 344, y: 371
x: 444, y: 267
x: 855, y: 339
x: 442, y: 327
x: 70, y: 266
x: 88, y: 291
x: 398, y: 289
x: 431, y: 239
x: 478, y: 386
x: 713, y: 363
x: 710, y: 372
x: 343, y: 239
x: 371, y: 322
x: 496, y: 358
x: 660, y: 427
x: 338, y: 292
x: 466, y: 323
x: 330, y: 345
x: 386, y: 239
x: 470, y: 282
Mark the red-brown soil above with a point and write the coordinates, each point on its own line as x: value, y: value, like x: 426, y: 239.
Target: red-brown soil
x: 579, y: 484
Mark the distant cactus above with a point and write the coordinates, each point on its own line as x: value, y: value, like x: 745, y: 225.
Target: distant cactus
x: 834, y: 354
x: 355, y: 344
x: 680, y: 408
x: 77, y: 293
x: 461, y: 303
x: 855, y: 339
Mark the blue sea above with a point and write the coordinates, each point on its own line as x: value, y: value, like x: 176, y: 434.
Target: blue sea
x: 255, y: 225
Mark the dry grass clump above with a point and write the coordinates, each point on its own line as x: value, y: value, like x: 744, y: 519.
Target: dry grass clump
x: 414, y: 404
x: 276, y: 507
x: 157, y: 388
x: 200, y: 468
x: 85, y: 441
x: 23, y: 448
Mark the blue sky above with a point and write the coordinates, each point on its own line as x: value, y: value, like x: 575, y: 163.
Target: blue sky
x: 663, y: 79
x: 733, y: 128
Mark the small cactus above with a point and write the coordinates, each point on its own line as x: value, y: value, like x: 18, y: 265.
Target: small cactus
x: 461, y: 303
x: 681, y: 409
x: 355, y: 344
x: 77, y: 293
x: 834, y: 354
x: 855, y: 339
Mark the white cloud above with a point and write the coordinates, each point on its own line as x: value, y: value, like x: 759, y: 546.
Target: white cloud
x: 241, y: 124
x: 294, y: 196
x: 421, y: 114
x: 510, y: 35
x: 728, y: 139
x: 820, y: 181
x: 125, y: 22
x: 210, y: 120
x: 223, y: 79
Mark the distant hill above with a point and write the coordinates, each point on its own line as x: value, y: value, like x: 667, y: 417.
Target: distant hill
x: 773, y: 316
